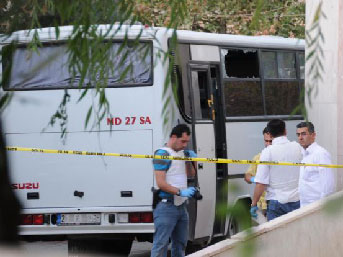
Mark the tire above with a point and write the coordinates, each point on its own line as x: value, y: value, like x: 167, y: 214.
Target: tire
x: 240, y: 218
x: 233, y: 228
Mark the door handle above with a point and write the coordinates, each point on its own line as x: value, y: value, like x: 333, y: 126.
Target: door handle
x: 213, y: 114
x: 210, y: 101
x: 200, y: 166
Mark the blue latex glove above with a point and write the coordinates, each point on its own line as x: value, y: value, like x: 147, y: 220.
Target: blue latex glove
x: 253, y: 211
x: 190, y: 153
x: 252, y: 179
x: 188, y: 192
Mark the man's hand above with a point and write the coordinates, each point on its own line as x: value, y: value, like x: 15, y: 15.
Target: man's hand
x: 253, y: 210
x: 188, y: 192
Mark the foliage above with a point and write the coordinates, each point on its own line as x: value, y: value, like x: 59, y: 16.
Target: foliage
x: 246, y: 17
x: 315, y: 56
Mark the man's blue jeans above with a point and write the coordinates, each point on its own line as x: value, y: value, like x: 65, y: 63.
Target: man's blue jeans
x: 170, y: 222
x: 276, y: 209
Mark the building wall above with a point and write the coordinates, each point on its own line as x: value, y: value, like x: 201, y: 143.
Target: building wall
x: 309, y: 231
x: 326, y: 108
x: 340, y: 93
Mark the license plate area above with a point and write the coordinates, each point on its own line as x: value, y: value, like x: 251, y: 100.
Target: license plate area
x: 74, y: 219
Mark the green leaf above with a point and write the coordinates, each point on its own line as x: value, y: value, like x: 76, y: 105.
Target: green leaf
x: 334, y: 207
x: 89, y: 113
x: 165, y: 105
x: 83, y: 94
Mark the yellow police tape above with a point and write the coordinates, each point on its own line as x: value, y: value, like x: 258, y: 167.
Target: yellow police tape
x: 146, y: 156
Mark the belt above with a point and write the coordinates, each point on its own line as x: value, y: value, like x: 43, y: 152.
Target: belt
x: 166, y: 200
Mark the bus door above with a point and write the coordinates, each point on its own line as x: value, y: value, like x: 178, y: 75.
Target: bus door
x: 210, y: 141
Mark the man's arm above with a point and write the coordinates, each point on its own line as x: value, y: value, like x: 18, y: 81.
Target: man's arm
x: 262, y: 176
x: 190, y: 168
x: 326, y: 176
x: 161, y: 168
x: 162, y: 183
x: 164, y: 186
x: 250, y: 174
x: 259, y: 189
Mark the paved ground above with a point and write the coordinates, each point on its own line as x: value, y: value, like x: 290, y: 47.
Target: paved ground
x: 60, y: 248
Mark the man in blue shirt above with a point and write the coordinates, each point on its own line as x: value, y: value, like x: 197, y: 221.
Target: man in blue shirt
x: 170, y: 215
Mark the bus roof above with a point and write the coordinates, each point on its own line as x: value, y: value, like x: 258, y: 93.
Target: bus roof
x: 49, y: 34
x: 240, y: 40
x: 184, y: 36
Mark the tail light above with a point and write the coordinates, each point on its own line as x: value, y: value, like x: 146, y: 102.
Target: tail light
x: 140, y: 217
x: 38, y: 219
x: 32, y: 219
x: 26, y: 219
x: 134, y: 217
x: 146, y: 217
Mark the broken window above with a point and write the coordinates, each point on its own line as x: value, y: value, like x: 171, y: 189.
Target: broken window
x: 240, y: 63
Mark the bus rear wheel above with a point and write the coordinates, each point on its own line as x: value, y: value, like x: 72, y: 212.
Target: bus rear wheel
x: 233, y: 227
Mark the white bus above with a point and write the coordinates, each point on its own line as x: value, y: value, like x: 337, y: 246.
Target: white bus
x: 229, y: 87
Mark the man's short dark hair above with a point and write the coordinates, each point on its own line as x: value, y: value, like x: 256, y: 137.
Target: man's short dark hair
x: 265, y: 131
x: 178, y: 130
x: 308, y: 125
x: 276, y: 127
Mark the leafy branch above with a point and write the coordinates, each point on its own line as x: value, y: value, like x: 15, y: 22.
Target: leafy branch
x: 315, y: 54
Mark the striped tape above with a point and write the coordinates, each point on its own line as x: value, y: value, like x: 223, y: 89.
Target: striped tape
x: 146, y: 156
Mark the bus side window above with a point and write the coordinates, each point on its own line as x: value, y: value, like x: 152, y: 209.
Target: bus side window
x: 281, y: 97
x: 129, y: 65
x: 279, y: 65
x: 301, y: 58
x: 243, y: 98
x: 281, y: 87
x: 286, y: 65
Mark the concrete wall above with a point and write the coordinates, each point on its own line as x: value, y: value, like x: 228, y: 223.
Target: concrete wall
x: 326, y: 111
x: 309, y: 231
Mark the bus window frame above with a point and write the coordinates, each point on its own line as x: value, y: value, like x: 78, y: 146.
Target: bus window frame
x: 121, y: 85
x: 259, y: 50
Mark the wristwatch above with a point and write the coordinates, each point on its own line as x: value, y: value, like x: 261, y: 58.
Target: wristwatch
x: 178, y: 193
